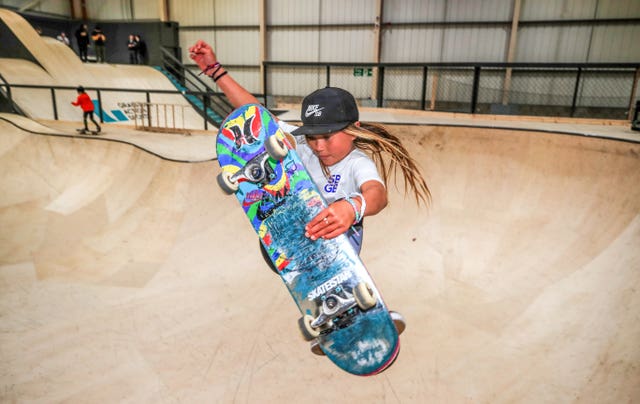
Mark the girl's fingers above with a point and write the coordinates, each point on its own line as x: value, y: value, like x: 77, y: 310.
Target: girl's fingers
x: 329, y: 223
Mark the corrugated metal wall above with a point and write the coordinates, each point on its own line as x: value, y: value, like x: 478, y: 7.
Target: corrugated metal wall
x: 579, y: 43
x: 51, y: 7
x: 110, y: 10
x: 146, y: 9
x: 411, y: 31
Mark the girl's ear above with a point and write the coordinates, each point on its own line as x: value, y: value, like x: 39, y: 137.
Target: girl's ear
x: 357, y: 124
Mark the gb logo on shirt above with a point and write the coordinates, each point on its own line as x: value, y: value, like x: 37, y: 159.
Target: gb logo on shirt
x: 332, y: 184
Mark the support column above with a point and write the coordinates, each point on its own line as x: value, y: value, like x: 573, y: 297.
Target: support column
x: 632, y: 97
x: 83, y: 10
x: 263, y: 45
x: 377, y: 48
x: 513, y: 39
x: 72, y: 7
x: 163, y: 9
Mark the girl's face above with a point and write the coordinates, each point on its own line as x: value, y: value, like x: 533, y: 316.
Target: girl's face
x: 332, y: 147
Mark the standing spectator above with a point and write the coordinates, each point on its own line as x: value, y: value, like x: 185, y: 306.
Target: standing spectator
x: 63, y: 38
x: 82, y: 38
x: 99, y: 41
x: 133, y: 45
x: 142, y: 50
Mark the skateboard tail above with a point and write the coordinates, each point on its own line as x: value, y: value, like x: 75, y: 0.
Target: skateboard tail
x: 387, y: 364
x: 366, y: 372
x: 365, y: 348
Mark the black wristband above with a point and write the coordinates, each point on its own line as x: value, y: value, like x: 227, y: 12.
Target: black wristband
x: 213, y: 73
x: 218, y: 78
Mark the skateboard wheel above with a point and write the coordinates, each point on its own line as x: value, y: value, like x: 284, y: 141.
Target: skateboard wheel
x: 315, y: 348
x: 398, y: 321
x: 226, y: 183
x: 308, y: 332
x: 364, y: 296
x: 276, y: 148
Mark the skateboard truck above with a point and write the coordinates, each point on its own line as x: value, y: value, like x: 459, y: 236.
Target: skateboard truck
x: 334, y: 306
x: 257, y: 170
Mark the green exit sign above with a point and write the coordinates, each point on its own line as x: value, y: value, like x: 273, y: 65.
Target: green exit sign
x: 362, y: 71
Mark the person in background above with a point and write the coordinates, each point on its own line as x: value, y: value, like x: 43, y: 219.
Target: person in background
x: 84, y: 102
x: 142, y: 50
x: 133, y: 45
x: 63, y: 38
x: 82, y: 39
x: 99, y: 41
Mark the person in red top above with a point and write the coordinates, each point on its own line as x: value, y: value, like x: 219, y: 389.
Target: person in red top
x: 84, y: 101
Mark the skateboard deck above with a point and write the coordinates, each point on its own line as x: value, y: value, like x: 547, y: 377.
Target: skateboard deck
x: 339, y: 303
x: 85, y: 132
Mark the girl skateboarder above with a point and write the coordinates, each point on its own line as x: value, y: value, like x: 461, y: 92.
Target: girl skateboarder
x: 333, y: 145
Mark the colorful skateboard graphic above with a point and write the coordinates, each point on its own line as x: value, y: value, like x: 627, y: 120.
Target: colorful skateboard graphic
x: 337, y: 298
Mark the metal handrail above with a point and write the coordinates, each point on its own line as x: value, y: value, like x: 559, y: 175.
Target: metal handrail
x: 475, y: 67
x: 160, y: 117
x: 99, y: 91
x: 224, y: 106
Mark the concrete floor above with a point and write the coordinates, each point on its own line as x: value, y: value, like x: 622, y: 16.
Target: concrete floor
x: 127, y: 277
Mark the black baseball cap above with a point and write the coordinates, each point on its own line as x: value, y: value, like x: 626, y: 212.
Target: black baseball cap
x: 327, y: 110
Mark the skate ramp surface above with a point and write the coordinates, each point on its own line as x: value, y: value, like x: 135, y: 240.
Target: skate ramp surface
x: 125, y: 276
x: 55, y: 64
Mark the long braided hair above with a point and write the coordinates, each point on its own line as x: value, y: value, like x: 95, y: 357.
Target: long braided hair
x: 376, y: 141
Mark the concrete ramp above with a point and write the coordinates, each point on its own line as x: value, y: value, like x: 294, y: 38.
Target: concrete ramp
x: 64, y: 69
x: 57, y: 65
x: 124, y: 276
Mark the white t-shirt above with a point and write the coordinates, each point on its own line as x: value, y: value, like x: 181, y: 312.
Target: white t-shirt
x: 345, y: 177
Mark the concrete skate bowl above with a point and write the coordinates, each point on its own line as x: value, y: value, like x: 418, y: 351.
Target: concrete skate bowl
x: 127, y: 277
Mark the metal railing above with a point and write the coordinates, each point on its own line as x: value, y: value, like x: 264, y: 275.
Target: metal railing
x: 576, y: 90
x: 189, y: 80
x: 160, y: 117
x: 6, y: 88
x: 603, y: 90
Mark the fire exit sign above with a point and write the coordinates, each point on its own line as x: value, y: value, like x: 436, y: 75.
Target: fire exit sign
x: 362, y: 71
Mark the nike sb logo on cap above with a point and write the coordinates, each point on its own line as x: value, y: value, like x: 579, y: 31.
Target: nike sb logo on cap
x: 327, y: 110
x: 315, y: 110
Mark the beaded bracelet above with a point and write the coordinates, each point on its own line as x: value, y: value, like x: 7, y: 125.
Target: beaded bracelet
x: 209, y: 67
x: 355, y: 210
x: 359, y: 214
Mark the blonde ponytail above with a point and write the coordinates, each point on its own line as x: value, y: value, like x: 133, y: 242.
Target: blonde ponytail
x: 376, y: 141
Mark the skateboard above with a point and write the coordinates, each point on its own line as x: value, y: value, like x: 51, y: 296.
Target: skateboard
x: 342, y: 311
x: 86, y: 132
